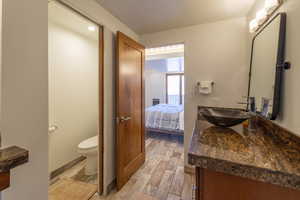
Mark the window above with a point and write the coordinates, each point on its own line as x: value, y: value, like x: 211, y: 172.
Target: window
x: 175, y: 64
x: 175, y: 88
x: 175, y: 80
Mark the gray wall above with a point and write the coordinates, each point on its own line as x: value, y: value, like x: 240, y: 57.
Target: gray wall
x: 24, y: 116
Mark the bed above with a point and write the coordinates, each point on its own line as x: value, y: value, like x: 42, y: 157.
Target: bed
x: 165, y: 118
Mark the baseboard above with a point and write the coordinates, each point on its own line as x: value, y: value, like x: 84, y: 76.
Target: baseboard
x: 189, y: 169
x: 65, y: 167
x: 111, y: 186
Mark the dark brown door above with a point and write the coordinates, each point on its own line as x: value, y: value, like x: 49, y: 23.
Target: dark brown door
x: 130, y: 108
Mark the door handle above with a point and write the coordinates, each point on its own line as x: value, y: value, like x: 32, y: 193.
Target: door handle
x: 124, y: 119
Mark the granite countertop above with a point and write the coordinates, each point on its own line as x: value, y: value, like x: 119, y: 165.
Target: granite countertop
x: 270, y: 154
x: 12, y: 157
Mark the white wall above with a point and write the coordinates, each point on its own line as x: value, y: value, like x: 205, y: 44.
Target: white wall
x: 289, y: 116
x: 155, y: 81
x: 213, y: 51
x: 24, y: 116
x: 111, y: 25
x: 73, y: 91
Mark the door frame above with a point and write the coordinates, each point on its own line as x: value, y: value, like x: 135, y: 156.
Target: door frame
x: 100, y: 92
x: 118, y: 149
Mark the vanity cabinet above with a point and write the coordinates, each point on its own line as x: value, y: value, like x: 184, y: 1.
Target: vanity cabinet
x: 4, y: 180
x: 236, y: 164
x: 213, y: 185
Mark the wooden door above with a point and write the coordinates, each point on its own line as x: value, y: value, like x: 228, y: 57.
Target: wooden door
x: 130, y: 108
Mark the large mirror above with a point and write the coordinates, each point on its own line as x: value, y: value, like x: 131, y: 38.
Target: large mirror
x: 267, y: 66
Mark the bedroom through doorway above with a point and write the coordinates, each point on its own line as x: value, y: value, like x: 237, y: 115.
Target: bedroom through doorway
x: 164, y: 108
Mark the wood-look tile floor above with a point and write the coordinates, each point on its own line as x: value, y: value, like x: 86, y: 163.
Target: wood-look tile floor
x: 73, y: 184
x: 162, y: 176
x: 76, y: 173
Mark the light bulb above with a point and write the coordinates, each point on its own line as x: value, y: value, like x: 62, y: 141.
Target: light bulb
x: 271, y: 5
x: 91, y: 28
x: 261, y: 16
x: 253, y: 26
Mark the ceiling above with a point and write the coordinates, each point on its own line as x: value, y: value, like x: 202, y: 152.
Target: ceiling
x: 148, y: 16
x: 62, y: 16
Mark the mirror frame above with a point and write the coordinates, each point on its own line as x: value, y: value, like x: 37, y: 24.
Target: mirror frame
x: 280, y: 63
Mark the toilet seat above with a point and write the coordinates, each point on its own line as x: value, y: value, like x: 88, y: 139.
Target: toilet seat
x: 89, y: 143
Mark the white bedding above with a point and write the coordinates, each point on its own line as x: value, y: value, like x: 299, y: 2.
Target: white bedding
x: 165, y: 116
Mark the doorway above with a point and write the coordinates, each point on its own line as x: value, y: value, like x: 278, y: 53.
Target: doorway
x: 75, y: 104
x: 164, y: 91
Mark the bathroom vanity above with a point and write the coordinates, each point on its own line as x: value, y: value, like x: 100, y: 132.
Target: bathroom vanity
x: 235, y: 164
x: 258, y: 160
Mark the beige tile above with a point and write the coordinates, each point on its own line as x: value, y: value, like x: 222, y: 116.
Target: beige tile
x: 165, y: 185
x: 69, y: 189
x: 158, y: 173
x: 187, y: 192
x: 173, y: 197
x: 177, y: 185
x: 150, y: 190
x: 142, y: 196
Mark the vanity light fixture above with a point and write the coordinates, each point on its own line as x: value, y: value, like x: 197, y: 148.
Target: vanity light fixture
x: 271, y: 5
x: 91, y: 28
x: 264, y: 14
x: 253, y: 26
x: 261, y: 16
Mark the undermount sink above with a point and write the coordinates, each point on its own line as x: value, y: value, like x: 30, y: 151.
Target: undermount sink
x: 224, y: 117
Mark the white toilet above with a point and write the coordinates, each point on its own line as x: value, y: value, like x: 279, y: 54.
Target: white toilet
x: 89, y: 149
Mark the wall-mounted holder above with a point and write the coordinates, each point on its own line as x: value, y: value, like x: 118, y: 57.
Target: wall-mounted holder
x: 205, y: 87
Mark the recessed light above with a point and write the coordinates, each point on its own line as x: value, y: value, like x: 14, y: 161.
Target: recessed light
x: 91, y: 28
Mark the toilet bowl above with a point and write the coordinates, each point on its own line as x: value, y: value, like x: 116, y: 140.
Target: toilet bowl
x: 89, y: 149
